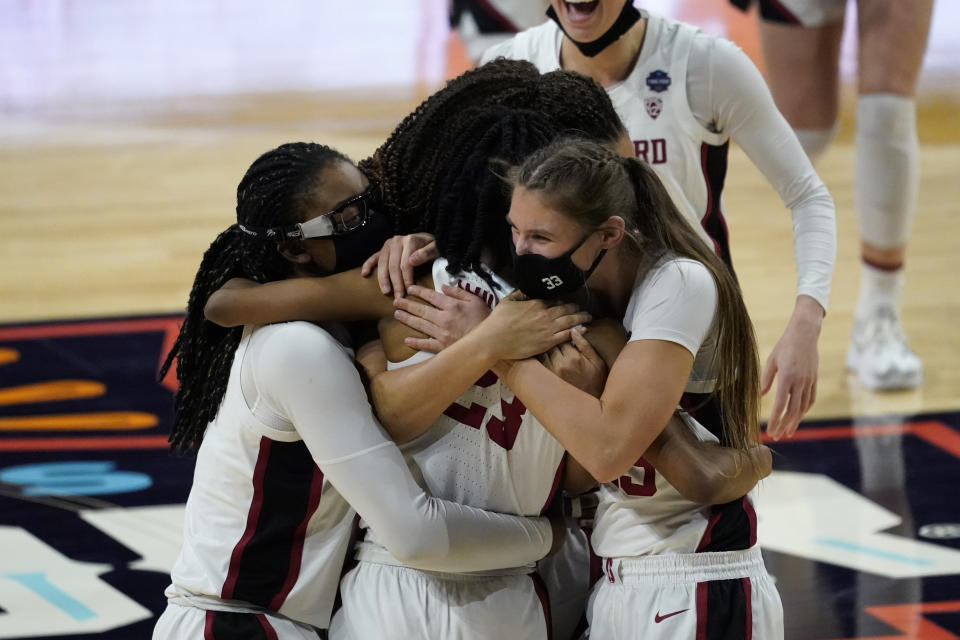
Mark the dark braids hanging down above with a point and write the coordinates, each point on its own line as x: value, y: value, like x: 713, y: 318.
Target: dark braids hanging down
x: 435, y: 168
x: 277, y: 190
x: 470, y: 214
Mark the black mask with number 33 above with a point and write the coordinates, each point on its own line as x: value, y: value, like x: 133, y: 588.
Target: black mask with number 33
x: 548, y: 278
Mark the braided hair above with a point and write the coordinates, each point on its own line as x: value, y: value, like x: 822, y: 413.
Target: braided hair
x: 277, y: 189
x: 435, y: 171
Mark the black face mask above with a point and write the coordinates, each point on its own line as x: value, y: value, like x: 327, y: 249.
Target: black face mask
x: 548, y: 278
x: 352, y: 248
x: 628, y: 17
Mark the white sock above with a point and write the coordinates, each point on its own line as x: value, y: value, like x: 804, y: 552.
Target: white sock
x: 887, y: 168
x: 879, y: 288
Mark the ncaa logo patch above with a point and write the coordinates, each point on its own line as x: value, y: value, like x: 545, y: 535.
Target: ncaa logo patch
x: 658, y: 81
x: 654, y: 106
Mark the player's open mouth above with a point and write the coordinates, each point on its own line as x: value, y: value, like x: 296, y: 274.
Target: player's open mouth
x: 580, y: 10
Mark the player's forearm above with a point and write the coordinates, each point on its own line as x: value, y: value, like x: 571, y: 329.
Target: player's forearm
x: 343, y: 297
x: 739, y: 472
x: 426, y: 532
x: 705, y: 472
x: 815, y: 247
x: 279, y: 301
x: 479, y: 540
x: 599, y: 434
x: 409, y: 399
x: 716, y: 475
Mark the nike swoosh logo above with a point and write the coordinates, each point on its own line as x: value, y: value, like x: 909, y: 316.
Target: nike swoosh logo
x: 659, y: 618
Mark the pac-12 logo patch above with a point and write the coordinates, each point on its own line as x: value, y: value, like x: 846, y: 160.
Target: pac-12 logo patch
x: 654, y: 106
x: 658, y: 81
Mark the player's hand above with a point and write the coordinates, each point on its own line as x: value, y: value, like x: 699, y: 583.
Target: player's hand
x: 795, y: 361
x: 578, y: 363
x: 396, y: 260
x: 444, y: 317
x: 519, y: 328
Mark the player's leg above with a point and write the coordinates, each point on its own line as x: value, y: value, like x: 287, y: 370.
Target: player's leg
x: 892, y: 41
x: 385, y: 601
x: 766, y: 616
x: 178, y: 622
x: 566, y: 575
x: 802, y: 62
x: 686, y: 597
x: 636, y: 611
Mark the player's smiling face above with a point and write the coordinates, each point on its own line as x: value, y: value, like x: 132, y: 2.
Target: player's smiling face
x: 587, y: 20
x: 538, y: 228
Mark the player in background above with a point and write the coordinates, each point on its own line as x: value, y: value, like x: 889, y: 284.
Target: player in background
x: 801, y: 49
x: 683, y: 95
x: 284, y: 434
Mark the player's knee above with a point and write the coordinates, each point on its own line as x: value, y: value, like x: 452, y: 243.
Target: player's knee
x: 816, y: 141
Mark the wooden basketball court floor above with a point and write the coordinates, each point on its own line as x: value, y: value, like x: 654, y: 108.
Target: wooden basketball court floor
x: 124, y: 130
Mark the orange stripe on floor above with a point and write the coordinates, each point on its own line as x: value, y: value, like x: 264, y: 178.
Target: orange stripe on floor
x: 908, y: 619
x: 110, y: 420
x: 9, y: 355
x: 84, y: 444
x: 936, y: 433
x: 52, y: 391
x: 835, y: 433
x: 93, y: 328
x: 939, y: 435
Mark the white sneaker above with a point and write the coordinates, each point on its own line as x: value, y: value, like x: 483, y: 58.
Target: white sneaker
x: 879, y: 353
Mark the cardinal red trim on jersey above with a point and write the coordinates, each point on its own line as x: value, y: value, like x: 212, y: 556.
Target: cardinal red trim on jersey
x: 556, y: 485
x: 748, y: 598
x: 713, y: 164
x: 296, y: 549
x: 253, y: 515
x: 702, y: 611
x: 544, y: 596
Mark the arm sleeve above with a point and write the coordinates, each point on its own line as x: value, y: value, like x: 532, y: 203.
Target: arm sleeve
x: 676, y: 302
x: 728, y: 94
x: 307, y: 377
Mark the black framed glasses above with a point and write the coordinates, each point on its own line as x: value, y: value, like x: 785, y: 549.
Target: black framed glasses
x: 348, y: 216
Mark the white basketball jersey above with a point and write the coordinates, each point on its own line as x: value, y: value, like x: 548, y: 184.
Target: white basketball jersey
x: 486, y: 450
x: 262, y: 527
x: 642, y: 514
x: 652, y: 102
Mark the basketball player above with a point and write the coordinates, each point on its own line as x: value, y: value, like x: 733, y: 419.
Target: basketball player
x: 287, y: 445
x: 683, y: 95
x: 801, y: 48
x: 673, y: 569
x: 483, y: 449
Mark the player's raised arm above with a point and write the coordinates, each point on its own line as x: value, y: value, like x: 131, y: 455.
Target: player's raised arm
x: 340, y: 297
